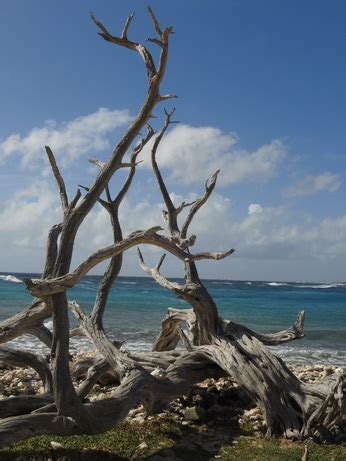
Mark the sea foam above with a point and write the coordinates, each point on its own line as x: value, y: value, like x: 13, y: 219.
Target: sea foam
x: 276, y: 284
x: 10, y: 278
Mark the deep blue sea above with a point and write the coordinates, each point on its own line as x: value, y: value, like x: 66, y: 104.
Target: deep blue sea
x: 137, y: 305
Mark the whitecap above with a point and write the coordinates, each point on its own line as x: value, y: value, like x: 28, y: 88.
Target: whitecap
x: 276, y: 284
x: 331, y: 285
x: 10, y: 278
x: 322, y: 286
x: 310, y: 355
x: 128, y: 283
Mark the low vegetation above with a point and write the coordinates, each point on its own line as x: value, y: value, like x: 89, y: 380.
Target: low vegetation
x: 168, y: 439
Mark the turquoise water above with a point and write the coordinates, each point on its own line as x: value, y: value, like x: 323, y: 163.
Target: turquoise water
x: 137, y: 305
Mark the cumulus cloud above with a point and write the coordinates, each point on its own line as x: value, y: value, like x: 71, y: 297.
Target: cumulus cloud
x: 310, y: 185
x: 25, y: 219
x: 255, y: 208
x: 189, y: 154
x: 263, y: 236
x: 271, y: 234
x: 68, y: 140
x: 193, y: 153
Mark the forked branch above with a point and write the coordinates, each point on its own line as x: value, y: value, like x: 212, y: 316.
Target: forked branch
x: 209, y: 187
x: 59, y: 179
x: 155, y: 273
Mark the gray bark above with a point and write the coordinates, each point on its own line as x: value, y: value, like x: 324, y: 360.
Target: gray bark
x: 214, y: 347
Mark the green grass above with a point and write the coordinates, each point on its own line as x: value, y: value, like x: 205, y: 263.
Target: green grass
x: 253, y: 449
x: 170, y: 440
x: 120, y: 443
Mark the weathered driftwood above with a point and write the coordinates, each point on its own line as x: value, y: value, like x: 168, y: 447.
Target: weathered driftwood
x: 169, y: 334
x: 213, y: 347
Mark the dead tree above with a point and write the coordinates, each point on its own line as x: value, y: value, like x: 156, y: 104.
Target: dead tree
x: 214, y: 346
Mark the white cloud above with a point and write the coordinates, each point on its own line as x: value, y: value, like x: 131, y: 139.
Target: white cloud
x: 255, y: 208
x: 26, y: 218
x: 272, y: 235
x: 190, y: 154
x: 267, y: 236
x: 193, y: 153
x: 310, y: 185
x: 86, y: 134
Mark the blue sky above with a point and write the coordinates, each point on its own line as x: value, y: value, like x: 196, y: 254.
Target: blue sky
x: 261, y: 95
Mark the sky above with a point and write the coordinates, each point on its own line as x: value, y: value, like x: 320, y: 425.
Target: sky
x: 261, y: 96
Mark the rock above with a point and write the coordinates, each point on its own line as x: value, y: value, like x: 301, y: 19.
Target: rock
x: 197, y: 399
x: 142, y: 446
x: 194, y: 413
x: 253, y: 412
x: 138, y: 419
x: 56, y: 445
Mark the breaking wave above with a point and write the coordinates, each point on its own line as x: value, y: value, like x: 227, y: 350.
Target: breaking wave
x: 10, y: 278
x: 276, y: 284
x: 322, y: 286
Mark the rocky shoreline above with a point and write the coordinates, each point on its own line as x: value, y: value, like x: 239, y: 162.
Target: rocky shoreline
x: 210, y: 402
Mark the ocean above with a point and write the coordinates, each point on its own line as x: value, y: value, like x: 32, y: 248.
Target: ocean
x: 137, y: 305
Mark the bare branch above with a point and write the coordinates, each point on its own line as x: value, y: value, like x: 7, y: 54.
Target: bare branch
x: 74, y: 201
x: 164, y: 97
x: 183, y: 205
x: 25, y: 320
x: 159, y: 264
x: 168, y: 338
x: 100, y: 200
x: 59, y: 179
x: 77, y: 311
x: 20, y: 359
x: 296, y: 331
x: 171, y: 214
x: 155, y: 41
x: 123, y: 41
x: 108, y: 194
x: 129, y: 165
x: 127, y: 25
x: 155, y: 22
x: 207, y: 255
x: 112, y: 207
x: 97, y: 162
x: 185, y: 339
x: 94, y: 373
x: 43, y: 333
x: 43, y: 288
x: 136, y: 151
x: 151, y: 99
x: 52, y: 250
x: 154, y: 272
x: 209, y: 187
